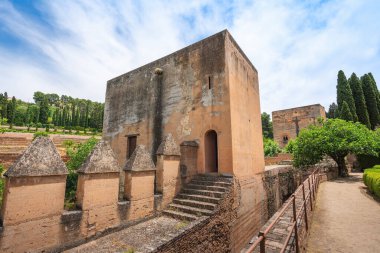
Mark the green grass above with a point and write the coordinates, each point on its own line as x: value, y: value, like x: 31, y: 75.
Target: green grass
x: 182, y: 224
x: 371, y: 179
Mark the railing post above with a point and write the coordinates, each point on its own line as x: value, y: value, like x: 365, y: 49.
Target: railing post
x: 311, y: 199
x: 262, y: 243
x: 304, y: 206
x: 312, y: 185
x: 295, y: 220
x: 315, y: 184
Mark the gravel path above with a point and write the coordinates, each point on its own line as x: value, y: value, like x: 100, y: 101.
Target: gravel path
x: 347, y: 218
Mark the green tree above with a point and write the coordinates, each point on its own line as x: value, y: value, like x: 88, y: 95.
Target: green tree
x: 44, y: 111
x: 4, y: 105
x: 12, y: 112
x: 38, y: 97
x: 77, y: 156
x: 345, y: 112
x: 371, y: 102
x: 376, y: 90
x: 333, y: 111
x: 360, y: 104
x: 266, y: 125
x: 335, y: 138
x: 344, y: 93
x: 271, y: 148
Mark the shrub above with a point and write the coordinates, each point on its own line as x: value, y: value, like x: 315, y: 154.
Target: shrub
x: 290, y: 147
x: 271, y: 147
x: 371, y: 179
x: 77, y: 155
x: 39, y: 134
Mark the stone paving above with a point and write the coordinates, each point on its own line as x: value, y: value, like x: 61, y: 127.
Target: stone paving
x: 346, y: 218
x: 143, y: 237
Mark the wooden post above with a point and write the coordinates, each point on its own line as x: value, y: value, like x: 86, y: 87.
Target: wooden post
x: 311, y: 198
x: 262, y: 243
x: 312, y: 185
x: 304, y: 206
x: 296, y: 226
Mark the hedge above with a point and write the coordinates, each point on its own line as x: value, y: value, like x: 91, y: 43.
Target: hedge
x: 371, y: 179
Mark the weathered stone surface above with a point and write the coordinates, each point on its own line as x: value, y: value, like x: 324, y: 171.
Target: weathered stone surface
x: 101, y: 160
x: 288, y: 122
x: 190, y: 143
x: 140, y: 160
x: 41, y: 158
x: 168, y: 146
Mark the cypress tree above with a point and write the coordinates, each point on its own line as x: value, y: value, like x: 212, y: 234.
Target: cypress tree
x: 370, y: 98
x: 5, y: 106
x: 360, y: 104
x: 44, y: 111
x: 376, y: 91
x: 12, y: 112
x: 345, y: 112
x: 344, y: 93
x: 333, y: 111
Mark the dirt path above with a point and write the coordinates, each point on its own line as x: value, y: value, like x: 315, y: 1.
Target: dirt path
x: 346, y: 219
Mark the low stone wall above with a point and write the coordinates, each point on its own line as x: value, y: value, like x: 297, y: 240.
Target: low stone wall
x: 278, y: 159
x: 32, y: 215
x: 281, y: 181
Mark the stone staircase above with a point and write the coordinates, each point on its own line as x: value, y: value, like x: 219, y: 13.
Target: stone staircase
x: 200, y: 197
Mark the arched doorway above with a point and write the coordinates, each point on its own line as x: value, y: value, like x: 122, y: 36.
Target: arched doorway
x: 211, y: 151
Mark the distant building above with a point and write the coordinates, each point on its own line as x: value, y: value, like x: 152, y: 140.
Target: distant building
x: 288, y: 123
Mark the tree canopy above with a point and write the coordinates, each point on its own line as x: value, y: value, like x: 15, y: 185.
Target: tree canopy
x: 345, y: 112
x: 333, y: 111
x: 370, y: 94
x: 361, y: 107
x: 335, y: 138
x: 267, y: 126
x: 344, y: 94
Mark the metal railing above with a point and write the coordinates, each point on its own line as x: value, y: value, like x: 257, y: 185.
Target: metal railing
x: 312, y: 182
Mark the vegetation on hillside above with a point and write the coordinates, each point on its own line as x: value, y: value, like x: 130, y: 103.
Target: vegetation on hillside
x: 52, y: 111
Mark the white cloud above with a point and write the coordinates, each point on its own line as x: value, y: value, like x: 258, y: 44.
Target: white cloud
x: 297, y: 48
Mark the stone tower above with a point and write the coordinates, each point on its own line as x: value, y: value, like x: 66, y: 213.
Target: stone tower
x: 205, y: 94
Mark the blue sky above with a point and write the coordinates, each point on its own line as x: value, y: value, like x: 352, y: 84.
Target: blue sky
x: 74, y: 47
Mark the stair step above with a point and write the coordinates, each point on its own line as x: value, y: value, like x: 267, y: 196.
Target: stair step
x: 206, y: 187
x: 190, y: 210
x: 202, y: 198
x: 180, y: 215
x: 195, y: 203
x: 213, y: 178
x: 211, y: 183
x: 214, y: 194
